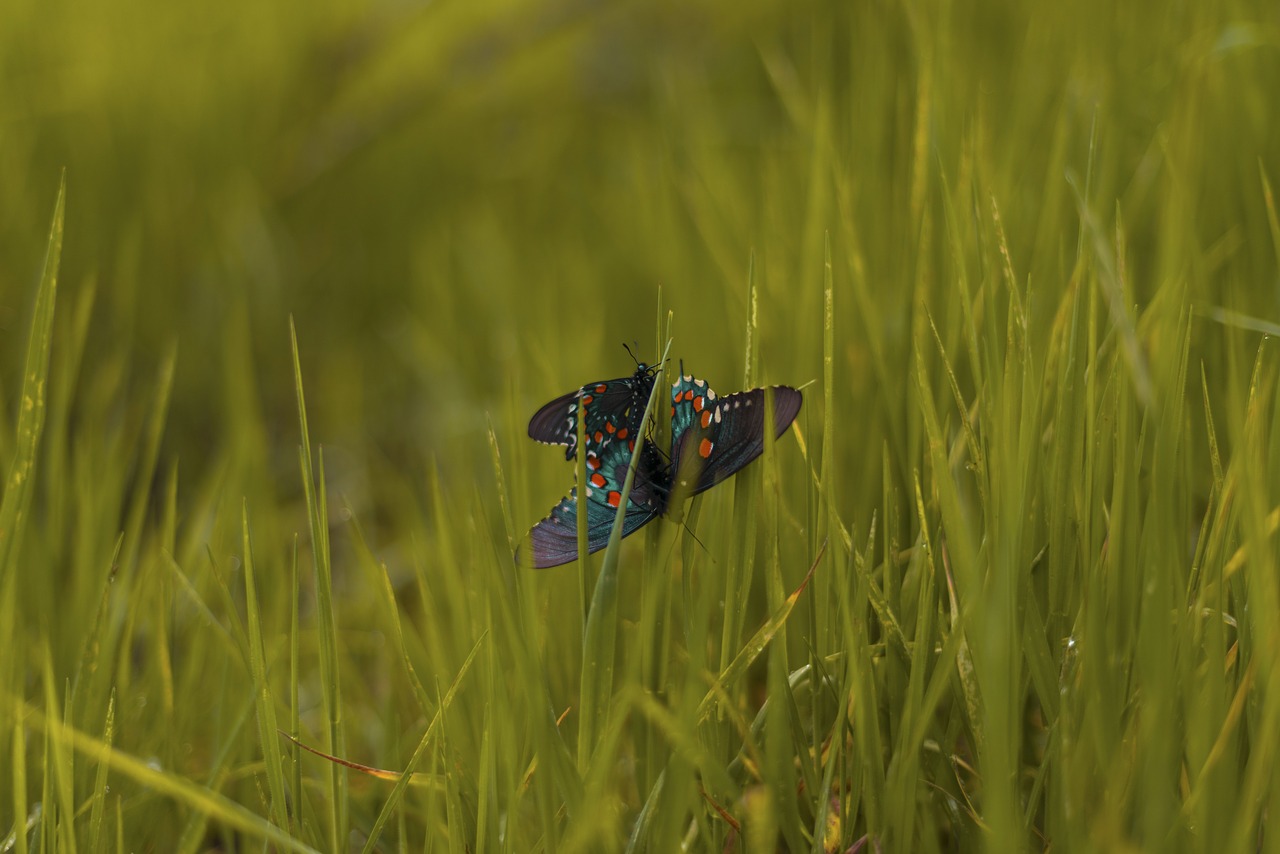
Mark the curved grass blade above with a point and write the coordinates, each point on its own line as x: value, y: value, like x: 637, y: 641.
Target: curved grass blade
x: 408, y: 775
x: 752, y: 649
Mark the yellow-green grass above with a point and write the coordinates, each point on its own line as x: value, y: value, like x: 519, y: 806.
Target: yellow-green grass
x: 1011, y: 582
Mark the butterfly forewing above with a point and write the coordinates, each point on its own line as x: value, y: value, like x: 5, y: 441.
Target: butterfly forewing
x: 610, y: 407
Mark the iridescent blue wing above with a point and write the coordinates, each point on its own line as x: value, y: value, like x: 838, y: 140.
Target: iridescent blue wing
x: 714, y: 437
x: 554, y: 540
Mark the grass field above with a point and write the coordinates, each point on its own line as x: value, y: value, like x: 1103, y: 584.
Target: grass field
x: 281, y: 284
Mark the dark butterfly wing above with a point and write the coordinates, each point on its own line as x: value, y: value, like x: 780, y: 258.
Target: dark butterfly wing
x: 556, y: 423
x: 610, y: 407
x: 714, y: 437
x: 554, y: 540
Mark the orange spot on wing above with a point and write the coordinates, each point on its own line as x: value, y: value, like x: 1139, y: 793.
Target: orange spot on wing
x: 594, y: 462
x: 597, y: 479
x: 622, y: 434
x: 704, y: 449
x: 599, y: 437
x: 614, y: 499
x: 600, y: 389
x: 706, y: 417
x: 697, y: 404
x: 608, y: 427
x: 586, y: 398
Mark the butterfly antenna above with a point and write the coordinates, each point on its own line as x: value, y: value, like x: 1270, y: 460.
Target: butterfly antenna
x: 689, y: 531
x: 676, y: 542
x: 643, y: 366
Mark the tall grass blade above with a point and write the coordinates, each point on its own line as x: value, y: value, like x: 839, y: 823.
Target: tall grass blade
x: 313, y: 482
x: 97, y: 812
x: 21, y: 824
x: 265, y: 702
x: 602, y: 621
x: 19, y: 481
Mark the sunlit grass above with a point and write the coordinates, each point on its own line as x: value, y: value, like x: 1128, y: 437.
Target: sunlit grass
x: 1009, y: 582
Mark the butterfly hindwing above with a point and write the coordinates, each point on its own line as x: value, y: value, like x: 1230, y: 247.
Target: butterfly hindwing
x: 714, y: 437
x: 554, y: 540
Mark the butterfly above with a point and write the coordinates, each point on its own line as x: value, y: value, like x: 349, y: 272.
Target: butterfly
x: 712, y: 438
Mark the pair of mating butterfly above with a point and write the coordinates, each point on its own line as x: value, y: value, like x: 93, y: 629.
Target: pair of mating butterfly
x: 711, y: 438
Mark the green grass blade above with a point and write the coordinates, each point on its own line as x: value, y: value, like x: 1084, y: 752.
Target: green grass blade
x: 21, y: 823
x: 19, y: 482
x: 60, y: 772
x: 295, y: 712
x: 98, y: 799
x: 602, y: 621
x: 1273, y: 219
x: 584, y: 566
x: 313, y: 481
x: 268, y: 741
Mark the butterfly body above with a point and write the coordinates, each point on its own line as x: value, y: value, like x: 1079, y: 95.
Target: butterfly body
x: 712, y: 438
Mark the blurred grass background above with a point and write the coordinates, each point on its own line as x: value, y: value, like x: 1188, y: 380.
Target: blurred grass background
x: 466, y: 208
